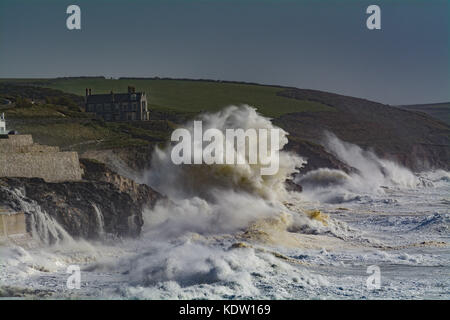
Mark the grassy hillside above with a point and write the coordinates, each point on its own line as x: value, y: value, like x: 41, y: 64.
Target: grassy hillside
x: 80, y: 134
x: 188, y: 95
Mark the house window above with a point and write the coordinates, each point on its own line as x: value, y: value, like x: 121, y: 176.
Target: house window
x: 134, y: 106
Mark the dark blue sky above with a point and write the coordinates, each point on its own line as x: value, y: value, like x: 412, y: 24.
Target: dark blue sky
x: 308, y: 44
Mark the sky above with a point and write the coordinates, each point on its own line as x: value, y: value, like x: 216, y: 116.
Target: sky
x: 322, y: 45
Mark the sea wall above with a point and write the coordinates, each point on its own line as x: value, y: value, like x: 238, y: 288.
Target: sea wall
x: 12, y: 224
x: 21, y: 158
x: 52, y: 167
x: 12, y: 141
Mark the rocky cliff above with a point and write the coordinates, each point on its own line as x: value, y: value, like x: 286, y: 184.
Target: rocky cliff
x: 104, y: 203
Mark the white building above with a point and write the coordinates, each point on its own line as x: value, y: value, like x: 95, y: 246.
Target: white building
x: 2, y: 124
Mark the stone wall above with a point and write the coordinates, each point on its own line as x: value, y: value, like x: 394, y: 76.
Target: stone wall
x: 27, y: 148
x: 52, y: 167
x: 12, y: 224
x: 16, y: 141
x: 21, y: 158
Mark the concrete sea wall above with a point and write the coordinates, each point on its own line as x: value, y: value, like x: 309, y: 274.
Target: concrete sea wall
x: 12, y: 224
x: 21, y: 158
x: 52, y: 167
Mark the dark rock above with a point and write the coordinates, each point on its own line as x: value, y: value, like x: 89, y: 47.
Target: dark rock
x: 292, y: 186
x: 72, y: 204
x: 98, y: 171
x: 316, y: 156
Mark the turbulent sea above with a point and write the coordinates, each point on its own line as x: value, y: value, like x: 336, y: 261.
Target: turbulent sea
x: 226, y: 232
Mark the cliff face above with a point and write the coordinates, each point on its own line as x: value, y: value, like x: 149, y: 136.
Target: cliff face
x: 104, y: 203
x: 140, y: 193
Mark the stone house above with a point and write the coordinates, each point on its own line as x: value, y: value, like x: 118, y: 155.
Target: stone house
x: 130, y: 106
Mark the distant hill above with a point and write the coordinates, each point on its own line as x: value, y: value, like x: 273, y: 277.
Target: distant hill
x: 440, y: 111
x: 185, y: 95
x: 412, y: 138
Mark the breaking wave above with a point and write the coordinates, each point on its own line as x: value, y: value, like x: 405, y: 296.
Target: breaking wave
x: 370, y: 175
x: 43, y: 228
x: 210, y: 209
x: 203, y: 180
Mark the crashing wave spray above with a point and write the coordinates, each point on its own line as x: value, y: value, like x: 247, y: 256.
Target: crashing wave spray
x: 181, y: 181
x: 374, y: 170
x: 219, y: 197
x: 189, y: 236
x: 100, y: 220
x: 43, y: 227
x: 372, y: 175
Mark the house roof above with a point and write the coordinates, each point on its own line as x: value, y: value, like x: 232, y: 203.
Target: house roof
x: 118, y: 97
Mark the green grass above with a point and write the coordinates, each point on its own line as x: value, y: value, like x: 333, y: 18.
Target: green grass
x: 189, y: 96
x: 35, y: 112
x: 88, y: 134
x: 42, y: 111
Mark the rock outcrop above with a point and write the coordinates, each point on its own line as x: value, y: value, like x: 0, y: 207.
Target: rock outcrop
x: 103, y: 203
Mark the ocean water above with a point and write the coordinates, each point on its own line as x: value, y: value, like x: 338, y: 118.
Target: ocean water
x: 225, y: 232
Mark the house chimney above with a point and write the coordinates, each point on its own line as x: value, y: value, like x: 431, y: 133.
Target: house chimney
x: 89, y: 91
